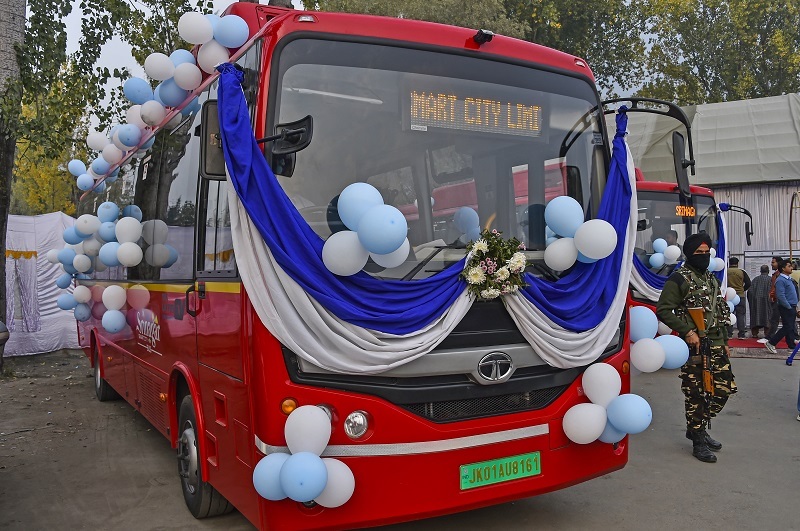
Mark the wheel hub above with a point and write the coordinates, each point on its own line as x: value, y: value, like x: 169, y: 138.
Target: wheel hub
x: 187, y: 459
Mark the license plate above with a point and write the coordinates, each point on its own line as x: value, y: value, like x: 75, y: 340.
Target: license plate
x: 500, y: 470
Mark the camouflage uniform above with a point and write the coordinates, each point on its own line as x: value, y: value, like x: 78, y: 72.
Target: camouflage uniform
x: 688, y: 288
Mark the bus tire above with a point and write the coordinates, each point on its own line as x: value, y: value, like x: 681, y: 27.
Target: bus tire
x: 201, y: 498
x: 102, y: 389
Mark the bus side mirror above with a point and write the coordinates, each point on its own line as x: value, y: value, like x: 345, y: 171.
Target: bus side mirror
x: 574, y: 185
x: 747, y: 232
x: 212, y: 159
x: 679, y: 159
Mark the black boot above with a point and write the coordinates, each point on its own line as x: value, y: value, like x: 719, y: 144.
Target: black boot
x: 713, y: 445
x: 700, y: 447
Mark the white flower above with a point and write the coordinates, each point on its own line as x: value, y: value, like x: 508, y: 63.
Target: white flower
x: 517, y: 262
x: 502, y: 274
x: 490, y: 293
x: 475, y: 275
x: 480, y: 246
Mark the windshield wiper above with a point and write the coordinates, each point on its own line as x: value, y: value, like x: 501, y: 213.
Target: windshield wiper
x: 411, y: 274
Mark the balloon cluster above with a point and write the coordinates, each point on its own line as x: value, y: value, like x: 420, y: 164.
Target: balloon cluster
x: 733, y: 300
x: 302, y: 475
x: 377, y: 231
x: 610, y: 416
x: 571, y: 239
x: 648, y: 352
x: 664, y: 254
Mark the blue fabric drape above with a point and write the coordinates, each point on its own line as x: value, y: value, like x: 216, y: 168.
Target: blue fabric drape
x: 720, y: 245
x: 653, y: 279
x: 580, y: 299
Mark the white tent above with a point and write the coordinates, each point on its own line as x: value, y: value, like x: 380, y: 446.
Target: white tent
x: 35, y: 321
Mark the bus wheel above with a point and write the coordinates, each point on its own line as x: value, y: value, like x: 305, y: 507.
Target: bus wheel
x: 102, y: 389
x: 201, y: 498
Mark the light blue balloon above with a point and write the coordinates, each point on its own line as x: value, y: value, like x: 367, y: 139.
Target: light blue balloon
x: 629, y: 413
x: 100, y: 166
x: 611, y: 434
x: 157, y: 95
x: 64, y: 281
x: 659, y: 245
x: 111, y: 178
x: 676, y: 350
x: 231, y: 31
x: 657, y: 260
x: 137, y: 90
x: 266, y: 476
x: 108, y: 211
x: 193, y: 108
x: 466, y: 219
x: 66, y: 255
x: 730, y: 305
x: 170, y: 93
x: 548, y: 233
x: 564, y: 215
x: 736, y: 300
x: 214, y: 20
x: 85, y: 182
x: 128, y: 135
x: 643, y: 323
x: 69, y: 268
x: 84, y: 276
x: 303, y: 476
x: 474, y: 234
x: 550, y: 240
x: 108, y: 231
x: 108, y: 254
x: 180, y: 56
x: 173, y: 256
x: 113, y: 321
x: 71, y: 236
x: 66, y: 301
x: 132, y: 211
x: 711, y: 265
x: 382, y: 229
x: 100, y: 188
x: 354, y: 201
x: 76, y: 167
x: 81, y: 235
x: 149, y: 143
x: 83, y: 312
x: 585, y: 259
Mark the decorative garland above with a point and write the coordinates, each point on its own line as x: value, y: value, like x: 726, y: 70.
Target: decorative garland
x: 494, y: 266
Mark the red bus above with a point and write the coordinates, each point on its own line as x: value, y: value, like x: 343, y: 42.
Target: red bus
x: 201, y: 366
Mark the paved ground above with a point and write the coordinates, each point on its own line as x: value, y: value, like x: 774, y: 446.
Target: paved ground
x: 68, y: 461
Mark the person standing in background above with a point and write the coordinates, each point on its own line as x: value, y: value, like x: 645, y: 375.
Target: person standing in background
x: 739, y: 280
x: 787, y: 297
x: 758, y: 298
x: 774, y: 314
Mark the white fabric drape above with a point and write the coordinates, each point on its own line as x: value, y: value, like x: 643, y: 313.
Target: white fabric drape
x: 639, y: 284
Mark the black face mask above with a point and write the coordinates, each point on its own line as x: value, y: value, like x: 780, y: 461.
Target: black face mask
x: 699, y: 261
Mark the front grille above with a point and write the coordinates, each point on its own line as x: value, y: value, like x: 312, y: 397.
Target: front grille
x: 471, y: 408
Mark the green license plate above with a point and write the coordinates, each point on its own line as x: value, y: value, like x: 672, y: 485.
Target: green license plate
x: 500, y: 470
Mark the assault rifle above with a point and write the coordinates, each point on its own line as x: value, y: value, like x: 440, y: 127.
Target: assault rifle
x: 698, y: 316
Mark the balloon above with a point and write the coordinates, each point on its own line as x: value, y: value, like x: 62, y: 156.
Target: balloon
x: 181, y: 56
x: 214, y: 19
x: 96, y: 141
x: 583, y: 423
x: 736, y: 300
x: 231, y: 31
x: 82, y: 312
x: 98, y: 309
x: 64, y: 281
x: 82, y: 294
x: 676, y: 351
x: 355, y: 200
x: 657, y: 260
x: 171, y: 94
x: 128, y: 230
x: 671, y: 254
x: 52, y: 256
x: 100, y: 187
x: 134, y: 116
x: 173, y: 256
x: 550, y: 240
x: 659, y: 245
x: 137, y: 90
x: 188, y: 76
x: 157, y: 255
x: 114, y: 297
x: 129, y: 254
x: 85, y: 182
x: 340, y: 486
x: 663, y: 329
x: 611, y: 434
x: 210, y: 55
x: 630, y: 413
x: 132, y: 211
x: 87, y: 224
x: 712, y: 252
x: 548, y: 232
x: 66, y: 301
x: 117, y: 142
x: 76, y: 167
x: 147, y: 145
x: 129, y: 135
x: 108, y: 254
x: 112, y: 154
x: 343, y: 254
x: 153, y: 113
x: 719, y: 264
x: 113, y: 321
x: 601, y: 383
x: 195, y: 28
x: 731, y: 306
x: 71, y: 236
x: 66, y: 255
x: 69, y: 269
x: 154, y: 231
x: 561, y: 254
x: 647, y: 355
x: 137, y: 296
x: 107, y: 211
x: 466, y: 219
x: 730, y: 293
x: 159, y: 66
x: 596, y: 239
x: 82, y: 263
x: 643, y: 323
x: 473, y: 234
x: 732, y: 319
x: 307, y: 429
x: 393, y: 259
x: 303, y: 476
x: 564, y: 215
x: 108, y: 231
x: 382, y: 229
x: 97, y: 293
x: 266, y: 476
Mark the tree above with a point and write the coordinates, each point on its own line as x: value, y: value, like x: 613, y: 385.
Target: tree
x: 706, y: 51
x: 41, y: 184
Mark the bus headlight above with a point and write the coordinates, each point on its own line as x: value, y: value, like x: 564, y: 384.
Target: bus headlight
x: 356, y: 424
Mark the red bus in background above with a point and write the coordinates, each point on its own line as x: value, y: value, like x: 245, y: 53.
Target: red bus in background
x: 198, y: 363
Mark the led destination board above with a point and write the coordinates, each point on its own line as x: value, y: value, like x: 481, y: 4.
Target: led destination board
x: 466, y: 113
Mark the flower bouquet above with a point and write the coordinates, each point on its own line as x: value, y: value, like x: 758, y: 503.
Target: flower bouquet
x: 494, y: 266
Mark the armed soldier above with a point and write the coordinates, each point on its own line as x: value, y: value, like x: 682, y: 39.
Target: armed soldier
x: 693, y: 287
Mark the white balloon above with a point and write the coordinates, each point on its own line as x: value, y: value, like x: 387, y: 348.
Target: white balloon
x: 596, y: 239
x: 394, y: 258
x: 114, y: 297
x: 82, y: 263
x: 96, y: 141
x: 91, y: 247
x: 152, y: 113
x: 129, y: 254
x: 195, y: 28
x: 307, y: 429
x: 732, y: 320
x: 128, y: 229
x: 671, y: 254
x: 154, y: 231
x: 157, y: 255
x: 343, y: 254
x: 720, y: 264
x: 87, y: 224
x: 561, y: 254
x: 138, y: 296
x: 210, y: 55
x: 584, y: 423
x: 188, y: 76
x: 730, y: 293
x: 712, y: 252
x: 134, y: 116
x: 52, y: 256
x: 174, y: 122
x: 647, y: 355
x: 116, y: 141
x: 112, y: 154
x: 159, y: 66
x: 82, y: 294
x: 663, y: 330
x: 601, y: 383
x: 340, y: 486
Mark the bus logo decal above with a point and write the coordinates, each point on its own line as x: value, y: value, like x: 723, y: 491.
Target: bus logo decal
x: 148, y: 329
x: 495, y: 367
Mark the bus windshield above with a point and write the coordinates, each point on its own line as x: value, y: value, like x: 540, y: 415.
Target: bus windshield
x: 669, y: 216
x: 434, y: 133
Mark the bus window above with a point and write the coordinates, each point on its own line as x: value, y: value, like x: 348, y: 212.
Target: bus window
x: 216, y: 241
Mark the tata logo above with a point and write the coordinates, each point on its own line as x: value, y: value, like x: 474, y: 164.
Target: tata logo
x: 147, y: 328
x: 495, y: 367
